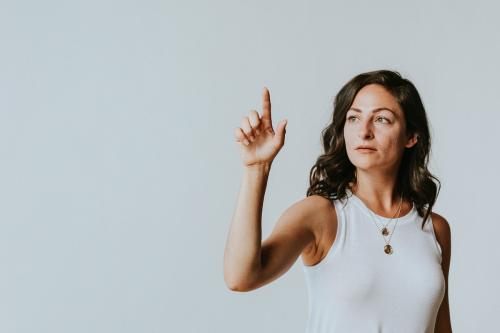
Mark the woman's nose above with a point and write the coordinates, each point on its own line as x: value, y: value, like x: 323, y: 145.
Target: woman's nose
x: 365, y: 131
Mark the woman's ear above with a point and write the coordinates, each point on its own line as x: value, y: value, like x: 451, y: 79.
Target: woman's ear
x: 412, y: 140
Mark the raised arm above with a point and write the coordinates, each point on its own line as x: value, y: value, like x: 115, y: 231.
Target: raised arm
x: 248, y: 262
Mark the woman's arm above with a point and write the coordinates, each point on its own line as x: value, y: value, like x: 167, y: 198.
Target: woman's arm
x: 259, y: 145
x: 250, y: 264
x: 443, y: 235
x: 243, y: 246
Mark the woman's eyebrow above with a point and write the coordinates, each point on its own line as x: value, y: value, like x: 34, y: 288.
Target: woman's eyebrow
x: 374, y: 110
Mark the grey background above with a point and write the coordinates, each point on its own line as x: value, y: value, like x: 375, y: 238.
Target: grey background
x: 119, y: 171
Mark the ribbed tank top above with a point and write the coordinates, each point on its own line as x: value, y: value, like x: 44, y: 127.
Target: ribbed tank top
x: 358, y: 288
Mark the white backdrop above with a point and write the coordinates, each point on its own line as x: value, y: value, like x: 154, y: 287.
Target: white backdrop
x: 119, y: 172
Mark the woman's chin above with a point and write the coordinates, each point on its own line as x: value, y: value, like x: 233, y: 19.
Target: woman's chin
x: 364, y: 165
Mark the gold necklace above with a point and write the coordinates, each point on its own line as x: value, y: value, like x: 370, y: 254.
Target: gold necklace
x: 387, y: 248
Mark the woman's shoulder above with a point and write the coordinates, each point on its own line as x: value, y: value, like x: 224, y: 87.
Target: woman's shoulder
x: 440, y: 224
x: 317, y: 199
x: 315, y: 209
x: 443, y: 232
x: 323, y: 223
x: 318, y: 206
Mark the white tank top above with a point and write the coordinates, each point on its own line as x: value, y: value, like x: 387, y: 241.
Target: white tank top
x: 357, y: 287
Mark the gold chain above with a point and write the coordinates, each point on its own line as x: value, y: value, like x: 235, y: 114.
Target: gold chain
x: 387, y: 247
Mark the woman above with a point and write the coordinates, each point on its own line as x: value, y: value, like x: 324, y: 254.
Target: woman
x: 371, y: 183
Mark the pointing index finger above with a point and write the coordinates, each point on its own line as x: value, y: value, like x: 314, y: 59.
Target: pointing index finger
x: 266, y: 109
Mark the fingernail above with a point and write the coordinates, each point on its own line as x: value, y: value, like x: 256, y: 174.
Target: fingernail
x: 246, y: 142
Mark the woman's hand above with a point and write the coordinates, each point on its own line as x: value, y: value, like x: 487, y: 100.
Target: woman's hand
x: 256, y: 137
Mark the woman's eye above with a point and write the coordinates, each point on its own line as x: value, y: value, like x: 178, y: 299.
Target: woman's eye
x: 353, y: 117
x: 383, y: 118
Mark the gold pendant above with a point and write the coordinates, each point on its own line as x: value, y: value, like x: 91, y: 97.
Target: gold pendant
x: 388, y: 249
x: 385, y: 232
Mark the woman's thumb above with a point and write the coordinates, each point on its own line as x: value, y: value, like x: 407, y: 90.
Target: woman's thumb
x: 281, y: 130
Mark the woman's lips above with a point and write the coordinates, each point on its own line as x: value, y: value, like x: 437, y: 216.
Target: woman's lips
x: 365, y: 150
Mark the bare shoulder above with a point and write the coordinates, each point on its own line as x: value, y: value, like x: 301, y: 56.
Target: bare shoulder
x: 323, y: 223
x: 441, y: 227
x: 320, y: 208
x: 317, y: 202
x: 305, y: 216
x: 443, y: 235
x: 317, y: 209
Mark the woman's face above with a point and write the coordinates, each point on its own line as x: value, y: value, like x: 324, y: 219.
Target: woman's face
x: 376, y: 120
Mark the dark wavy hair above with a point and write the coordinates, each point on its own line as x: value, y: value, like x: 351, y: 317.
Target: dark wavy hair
x: 333, y: 172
